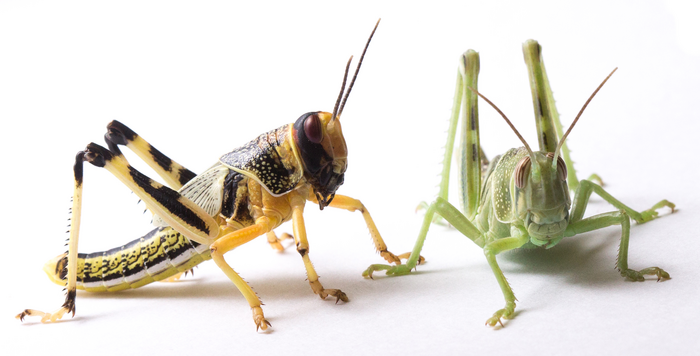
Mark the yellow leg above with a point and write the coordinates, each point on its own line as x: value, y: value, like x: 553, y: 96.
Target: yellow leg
x: 72, y: 253
x: 45, y: 317
x: 351, y: 204
x: 227, y: 243
x: 276, y: 242
x: 303, y: 249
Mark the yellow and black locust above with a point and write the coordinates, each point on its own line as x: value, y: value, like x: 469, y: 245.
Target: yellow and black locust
x: 247, y: 193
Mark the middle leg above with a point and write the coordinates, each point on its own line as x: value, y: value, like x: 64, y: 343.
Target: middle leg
x: 276, y: 242
x: 586, y: 188
x: 227, y: 243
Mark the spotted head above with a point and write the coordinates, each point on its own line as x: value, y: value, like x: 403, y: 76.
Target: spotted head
x: 319, y: 139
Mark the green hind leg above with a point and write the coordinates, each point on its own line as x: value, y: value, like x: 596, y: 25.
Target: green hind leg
x: 546, y: 114
x: 469, y: 155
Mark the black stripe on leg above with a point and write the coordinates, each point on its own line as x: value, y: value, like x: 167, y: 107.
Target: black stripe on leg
x: 119, y: 134
x: 473, y: 118
x: 163, y: 161
x: 78, y: 168
x: 167, y: 164
x: 186, y: 175
x: 302, y: 251
x: 169, y: 199
x: 544, y: 139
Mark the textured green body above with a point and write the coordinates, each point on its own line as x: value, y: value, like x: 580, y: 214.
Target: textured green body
x: 487, y: 220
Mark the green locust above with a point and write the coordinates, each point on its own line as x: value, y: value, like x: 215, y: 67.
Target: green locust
x: 520, y: 199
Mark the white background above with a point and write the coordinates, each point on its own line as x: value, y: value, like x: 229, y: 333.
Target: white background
x: 197, y: 79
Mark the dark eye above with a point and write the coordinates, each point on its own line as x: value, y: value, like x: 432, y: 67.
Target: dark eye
x: 521, y: 171
x: 313, y: 129
x: 561, y: 166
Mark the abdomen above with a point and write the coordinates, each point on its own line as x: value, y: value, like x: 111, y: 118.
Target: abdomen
x: 158, y: 255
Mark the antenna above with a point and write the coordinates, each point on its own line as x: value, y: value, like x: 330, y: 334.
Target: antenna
x: 357, y: 70
x: 556, y: 152
x: 342, y: 89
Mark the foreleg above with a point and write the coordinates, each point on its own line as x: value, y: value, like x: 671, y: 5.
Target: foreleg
x: 578, y: 225
x: 490, y: 251
x: 350, y: 204
x: 302, y: 243
x: 443, y: 208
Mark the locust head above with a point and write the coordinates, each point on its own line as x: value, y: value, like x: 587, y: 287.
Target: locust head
x: 543, y: 197
x: 321, y: 145
x: 322, y: 148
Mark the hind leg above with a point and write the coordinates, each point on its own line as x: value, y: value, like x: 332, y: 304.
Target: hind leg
x: 176, y: 210
x: 174, y: 174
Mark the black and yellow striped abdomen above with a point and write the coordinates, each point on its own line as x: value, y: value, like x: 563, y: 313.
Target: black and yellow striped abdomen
x: 158, y: 255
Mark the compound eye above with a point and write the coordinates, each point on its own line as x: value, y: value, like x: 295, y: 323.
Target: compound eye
x: 313, y: 128
x: 521, y: 172
x: 561, y: 166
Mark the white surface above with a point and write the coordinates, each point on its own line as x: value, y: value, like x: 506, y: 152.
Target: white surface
x: 197, y: 79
